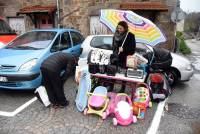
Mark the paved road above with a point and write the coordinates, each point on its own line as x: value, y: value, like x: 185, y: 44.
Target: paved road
x: 36, y: 119
x: 182, y: 116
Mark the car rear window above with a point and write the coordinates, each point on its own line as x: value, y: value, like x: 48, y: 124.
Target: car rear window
x: 103, y: 42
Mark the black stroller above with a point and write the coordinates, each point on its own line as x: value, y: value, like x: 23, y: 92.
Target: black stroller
x: 161, y: 59
x: 159, y: 62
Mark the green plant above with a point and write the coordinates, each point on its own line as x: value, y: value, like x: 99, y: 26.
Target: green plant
x: 179, y: 35
x: 183, y: 48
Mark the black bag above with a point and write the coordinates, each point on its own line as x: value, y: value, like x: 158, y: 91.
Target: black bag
x: 93, y: 68
x: 114, y: 58
x: 162, y: 59
x: 102, y: 69
x: 111, y: 70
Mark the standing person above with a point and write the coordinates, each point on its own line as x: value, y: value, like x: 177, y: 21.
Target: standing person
x: 123, y: 45
x: 53, y: 80
x: 123, y: 50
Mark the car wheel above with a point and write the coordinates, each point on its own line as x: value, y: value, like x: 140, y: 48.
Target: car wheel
x: 172, y: 77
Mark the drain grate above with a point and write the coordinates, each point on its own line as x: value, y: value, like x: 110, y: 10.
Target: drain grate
x: 184, y: 112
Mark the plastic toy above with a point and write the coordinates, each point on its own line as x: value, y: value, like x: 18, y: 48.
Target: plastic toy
x: 97, y: 102
x: 141, y: 100
x: 83, y: 89
x: 111, y: 106
x: 121, y: 106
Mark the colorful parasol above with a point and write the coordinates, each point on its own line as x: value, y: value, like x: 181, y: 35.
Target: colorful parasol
x: 145, y: 31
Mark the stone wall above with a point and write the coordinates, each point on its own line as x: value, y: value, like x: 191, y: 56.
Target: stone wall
x: 76, y: 13
x: 80, y: 18
x: 9, y: 7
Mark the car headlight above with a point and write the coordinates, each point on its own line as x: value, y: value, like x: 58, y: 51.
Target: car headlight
x: 189, y: 67
x: 28, y: 65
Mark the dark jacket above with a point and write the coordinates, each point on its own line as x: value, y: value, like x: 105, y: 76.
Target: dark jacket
x: 59, y: 62
x: 128, y: 48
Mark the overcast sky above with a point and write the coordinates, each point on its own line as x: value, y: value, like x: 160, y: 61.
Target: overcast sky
x: 190, y: 5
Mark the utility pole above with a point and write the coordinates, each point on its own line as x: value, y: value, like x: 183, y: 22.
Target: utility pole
x: 176, y: 16
x: 58, y: 13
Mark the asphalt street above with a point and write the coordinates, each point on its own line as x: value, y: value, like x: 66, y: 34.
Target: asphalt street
x: 181, y: 114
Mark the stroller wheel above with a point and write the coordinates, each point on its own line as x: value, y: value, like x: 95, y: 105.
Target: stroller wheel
x: 134, y: 119
x: 142, y: 115
x: 85, y: 111
x: 114, y: 121
x: 104, y: 115
x: 150, y: 104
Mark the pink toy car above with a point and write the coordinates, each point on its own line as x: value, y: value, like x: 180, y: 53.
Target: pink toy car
x: 111, y: 106
x: 121, y: 106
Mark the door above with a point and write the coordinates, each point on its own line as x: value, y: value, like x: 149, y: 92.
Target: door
x: 17, y: 24
x: 45, y: 21
x: 62, y: 43
x: 65, y: 43
x: 77, y: 40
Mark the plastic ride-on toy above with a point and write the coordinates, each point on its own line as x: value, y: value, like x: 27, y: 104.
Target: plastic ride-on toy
x: 141, y: 100
x: 121, y: 105
x: 97, y: 102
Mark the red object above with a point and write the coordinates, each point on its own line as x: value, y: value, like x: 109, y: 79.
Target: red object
x: 139, y: 108
x: 156, y: 78
x: 6, y: 37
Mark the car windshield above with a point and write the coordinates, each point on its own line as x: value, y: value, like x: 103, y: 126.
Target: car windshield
x: 32, y: 40
x: 5, y: 28
x: 103, y: 42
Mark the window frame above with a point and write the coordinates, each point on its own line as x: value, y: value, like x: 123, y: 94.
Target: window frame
x: 110, y: 45
x: 70, y: 41
x: 77, y: 34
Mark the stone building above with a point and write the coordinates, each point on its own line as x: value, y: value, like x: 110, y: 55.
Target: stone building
x: 83, y: 14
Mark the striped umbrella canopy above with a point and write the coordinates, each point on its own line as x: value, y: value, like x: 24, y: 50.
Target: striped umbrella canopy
x: 144, y: 30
